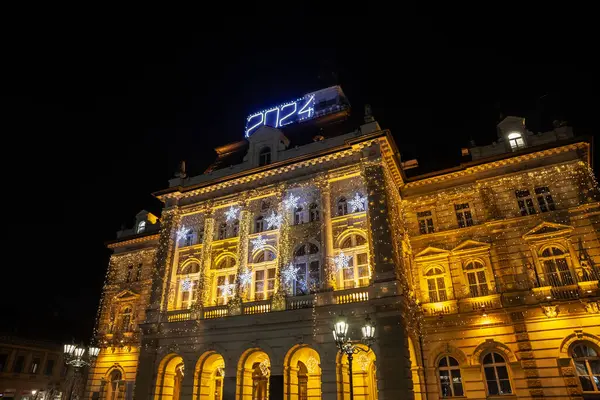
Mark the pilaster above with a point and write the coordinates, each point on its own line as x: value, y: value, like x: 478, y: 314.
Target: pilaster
x: 209, y: 233
x: 327, y: 233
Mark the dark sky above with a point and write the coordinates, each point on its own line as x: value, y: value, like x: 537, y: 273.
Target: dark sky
x: 98, y: 114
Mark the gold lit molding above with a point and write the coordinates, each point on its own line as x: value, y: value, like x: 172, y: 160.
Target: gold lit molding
x: 498, y: 164
x: 133, y: 241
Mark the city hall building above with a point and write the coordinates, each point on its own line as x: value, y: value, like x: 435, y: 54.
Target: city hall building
x: 481, y: 280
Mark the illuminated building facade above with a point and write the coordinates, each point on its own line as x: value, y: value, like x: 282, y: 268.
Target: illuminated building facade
x: 481, y: 280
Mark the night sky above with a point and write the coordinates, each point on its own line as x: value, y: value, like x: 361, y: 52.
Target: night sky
x: 97, y: 115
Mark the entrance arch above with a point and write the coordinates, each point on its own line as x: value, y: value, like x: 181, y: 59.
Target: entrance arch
x: 364, y: 376
x: 208, y: 377
x: 170, y: 377
x: 253, y: 372
x: 302, y: 374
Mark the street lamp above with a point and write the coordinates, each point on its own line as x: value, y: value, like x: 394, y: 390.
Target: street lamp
x: 350, y: 347
x: 77, y: 357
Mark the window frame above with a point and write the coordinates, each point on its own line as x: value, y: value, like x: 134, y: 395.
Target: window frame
x: 464, y: 214
x: 450, y: 368
x: 565, y: 277
x: 341, y: 206
x: 314, y: 214
x: 141, y: 227
x: 435, y: 277
x: 495, y: 365
x: 540, y: 199
x: 586, y: 361
x: 474, y: 271
x: 426, y: 224
x: 354, y: 250
x: 304, y: 262
x: 265, y: 156
x: 516, y: 137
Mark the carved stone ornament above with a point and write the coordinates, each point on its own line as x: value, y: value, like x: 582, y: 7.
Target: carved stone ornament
x: 550, y: 311
x: 592, y: 307
x: 536, y: 392
x: 568, y: 371
x: 235, y: 306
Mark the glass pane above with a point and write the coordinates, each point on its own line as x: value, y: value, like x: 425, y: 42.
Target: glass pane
x: 348, y: 273
x: 361, y: 258
x: 363, y: 271
x: 440, y: 283
x: 498, y: 358
x: 586, y: 383
x: 481, y: 276
x: 505, y: 387
x: 444, y: 362
x: 595, y: 366
x: 581, y: 368
x: 492, y: 387
x: 444, y: 375
x: 271, y: 273
x: 453, y: 362
x: 458, y: 389
x: 270, y: 284
x: 490, y: 374
x: 502, y: 372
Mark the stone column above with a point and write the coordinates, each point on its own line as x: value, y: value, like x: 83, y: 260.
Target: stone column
x: 209, y: 234
x: 329, y: 280
x: 187, y: 385
x: 162, y: 265
x: 382, y: 255
x: 235, y: 305
x: 145, y: 376
x: 283, y: 250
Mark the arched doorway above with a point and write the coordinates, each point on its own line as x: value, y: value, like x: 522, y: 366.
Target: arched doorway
x: 364, y: 376
x: 170, y: 378
x: 209, y: 374
x: 254, y: 370
x: 302, y: 374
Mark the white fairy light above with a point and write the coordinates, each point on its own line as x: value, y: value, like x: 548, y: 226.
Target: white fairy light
x: 341, y: 261
x: 246, y: 277
x: 357, y: 203
x: 227, y: 289
x: 274, y: 220
x: 259, y: 243
x: 186, y: 285
x: 232, y: 213
x: 181, y: 232
x: 291, y: 202
x: 290, y: 273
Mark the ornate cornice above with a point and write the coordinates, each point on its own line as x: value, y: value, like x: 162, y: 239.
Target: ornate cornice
x: 123, y: 243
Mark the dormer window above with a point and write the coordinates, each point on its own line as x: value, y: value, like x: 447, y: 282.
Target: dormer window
x: 515, y: 139
x: 141, y: 227
x: 264, y: 157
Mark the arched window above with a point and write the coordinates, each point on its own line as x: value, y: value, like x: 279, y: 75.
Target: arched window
x: 226, y: 262
x: 436, y: 285
x: 313, y: 210
x: 342, y: 206
x: 191, y: 268
x: 556, y: 267
x: 476, y: 278
x: 222, y: 234
x: 516, y: 141
x: 450, y: 378
x: 496, y: 374
x: 357, y: 273
x: 115, y: 388
x: 264, y: 157
x: 587, y: 364
x: 259, y: 224
x: 298, y: 215
x: 307, y: 260
x: 126, y: 315
x: 264, y: 256
x: 141, y: 227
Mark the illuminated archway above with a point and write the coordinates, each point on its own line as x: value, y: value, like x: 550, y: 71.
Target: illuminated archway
x: 208, y: 377
x: 254, y: 369
x: 114, y: 388
x: 302, y: 374
x: 364, y: 376
x: 169, y: 378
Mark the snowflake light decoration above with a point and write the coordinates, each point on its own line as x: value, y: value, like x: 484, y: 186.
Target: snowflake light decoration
x: 290, y: 273
x: 274, y: 220
x: 363, y: 361
x: 259, y: 243
x: 264, y: 366
x: 232, y: 213
x: 181, y: 232
x: 341, y: 261
x: 227, y: 289
x: 186, y: 285
x: 246, y: 277
x: 291, y: 202
x: 312, y: 364
x: 357, y: 203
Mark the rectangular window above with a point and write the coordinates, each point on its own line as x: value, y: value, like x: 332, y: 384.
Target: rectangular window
x: 264, y: 284
x: 35, y: 365
x: 348, y: 274
x: 138, y: 274
x: 463, y: 215
x: 19, y: 364
x: 544, y: 199
x: 49, y: 367
x: 525, y: 202
x: 314, y: 276
x: 425, y: 219
x: 225, y: 285
x: 362, y: 268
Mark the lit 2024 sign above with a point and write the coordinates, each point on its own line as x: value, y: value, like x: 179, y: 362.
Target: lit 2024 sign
x: 282, y: 115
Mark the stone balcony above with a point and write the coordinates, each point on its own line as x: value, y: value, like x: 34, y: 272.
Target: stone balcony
x: 345, y: 296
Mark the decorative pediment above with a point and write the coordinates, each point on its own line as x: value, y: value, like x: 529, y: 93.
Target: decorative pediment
x: 469, y: 246
x: 547, y: 230
x: 126, y: 295
x: 432, y: 252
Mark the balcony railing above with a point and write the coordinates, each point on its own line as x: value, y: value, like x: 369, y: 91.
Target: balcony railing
x: 264, y: 306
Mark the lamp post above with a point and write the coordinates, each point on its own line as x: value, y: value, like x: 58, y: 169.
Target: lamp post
x: 350, y: 347
x: 78, y: 357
